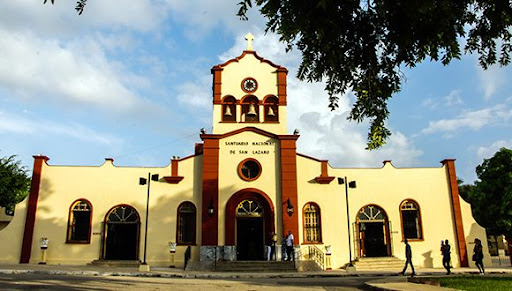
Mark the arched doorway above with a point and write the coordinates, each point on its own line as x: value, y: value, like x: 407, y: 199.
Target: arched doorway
x: 250, y: 231
x: 122, y: 228
x: 249, y: 222
x: 373, y: 232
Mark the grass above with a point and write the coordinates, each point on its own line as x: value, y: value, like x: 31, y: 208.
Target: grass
x: 480, y: 283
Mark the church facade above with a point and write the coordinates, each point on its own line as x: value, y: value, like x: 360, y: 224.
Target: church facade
x: 244, y: 182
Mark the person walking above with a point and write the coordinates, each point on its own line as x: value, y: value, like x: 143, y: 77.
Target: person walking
x: 408, y: 257
x: 289, y: 246
x: 445, y: 251
x: 478, y: 256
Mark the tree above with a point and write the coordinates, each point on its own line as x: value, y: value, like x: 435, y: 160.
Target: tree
x: 14, y: 182
x: 491, y: 196
x: 362, y: 45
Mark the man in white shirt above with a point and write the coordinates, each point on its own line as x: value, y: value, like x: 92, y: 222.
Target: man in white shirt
x: 289, y: 245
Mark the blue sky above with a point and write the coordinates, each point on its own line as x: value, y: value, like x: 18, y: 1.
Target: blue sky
x: 130, y: 80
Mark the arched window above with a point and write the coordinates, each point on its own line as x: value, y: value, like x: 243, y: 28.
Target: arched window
x: 411, y: 220
x: 79, y: 222
x: 271, y: 109
x: 312, y: 225
x: 229, y: 109
x: 250, y: 109
x: 186, y: 231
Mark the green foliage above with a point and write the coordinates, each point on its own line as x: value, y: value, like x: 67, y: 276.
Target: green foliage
x: 491, y: 196
x: 362, y: 45
x: 14, y: 182
x: 476, y: 283
x: 80, y: 5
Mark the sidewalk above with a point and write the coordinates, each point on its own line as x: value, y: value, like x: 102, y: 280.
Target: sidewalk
x: 389, y: 281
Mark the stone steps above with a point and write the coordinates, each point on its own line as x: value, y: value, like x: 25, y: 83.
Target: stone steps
x: 255, y: 266
x: 379, y: 264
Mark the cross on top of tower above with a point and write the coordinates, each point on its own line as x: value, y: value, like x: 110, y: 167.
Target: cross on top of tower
x: 249, y: 37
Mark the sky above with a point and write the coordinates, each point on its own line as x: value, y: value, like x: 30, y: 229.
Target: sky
x: 130, y: 80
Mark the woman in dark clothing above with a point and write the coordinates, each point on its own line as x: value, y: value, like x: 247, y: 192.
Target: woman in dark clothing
x: 478, y: 256
x: 445, y: 250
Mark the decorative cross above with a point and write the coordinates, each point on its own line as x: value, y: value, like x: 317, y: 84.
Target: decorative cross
x: 249, y: 37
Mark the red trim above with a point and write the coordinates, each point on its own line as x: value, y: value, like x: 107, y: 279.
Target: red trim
x: 240, y: 165
x: 30, y: 220
x: 232, y: 203
x: 174, y: 178
x: 289, y: 183
x: 324, y: 177
x: 250, y: 96
x: 251, y: 129
x: 69, y: 222
x: 457, y: 215
x: 210, y: 222
x: 244, y: 53
x: 217, y: 83
x: 281, y: 85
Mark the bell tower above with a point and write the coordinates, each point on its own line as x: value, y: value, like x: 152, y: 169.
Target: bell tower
x: 249, y: 91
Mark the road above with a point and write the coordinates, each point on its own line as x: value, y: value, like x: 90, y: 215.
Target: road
x: 73, y: 282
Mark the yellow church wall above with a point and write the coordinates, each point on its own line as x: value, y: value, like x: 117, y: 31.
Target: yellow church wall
x: 105, y: 187
x: 12, y: 235
x: 473, y: 230
x: 249, y: 66
x: 231, y: 155
x: 385, y: 187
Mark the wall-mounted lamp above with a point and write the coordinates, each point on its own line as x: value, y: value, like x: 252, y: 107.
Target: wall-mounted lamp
x: 210, y: 208
x: 202, y: 130
x: 289, y: 207
x: 296, y: 131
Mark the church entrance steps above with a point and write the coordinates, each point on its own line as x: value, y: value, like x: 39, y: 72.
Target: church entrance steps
x: 115, y: 263
x: 255, y: 266
x: 379, y: 264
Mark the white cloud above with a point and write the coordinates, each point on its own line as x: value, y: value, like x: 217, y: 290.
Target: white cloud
x: 489, y: 151
x: 492, y: 79
x: 21, y: 125
x: 196, y: 94
x: 453, y: 98
x: 62, y: 20
x: 473, y: 120
x: 72, y: 73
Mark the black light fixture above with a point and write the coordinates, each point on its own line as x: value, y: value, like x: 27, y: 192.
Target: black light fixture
x: 211, y: 210
x: 144, y: 181
x: 351, y: 184
x: 289, y: 207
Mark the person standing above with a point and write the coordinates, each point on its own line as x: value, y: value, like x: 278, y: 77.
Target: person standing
x: 478, y: 256
x: 289, y: 246
x: 273, y: 247
x: 408, y: 257
x: 446, y: 250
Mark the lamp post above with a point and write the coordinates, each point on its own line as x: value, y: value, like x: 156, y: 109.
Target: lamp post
x: 351, y: 184
x: 144, y: 181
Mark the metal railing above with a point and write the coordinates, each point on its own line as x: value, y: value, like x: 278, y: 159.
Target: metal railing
x: 317, y: 255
